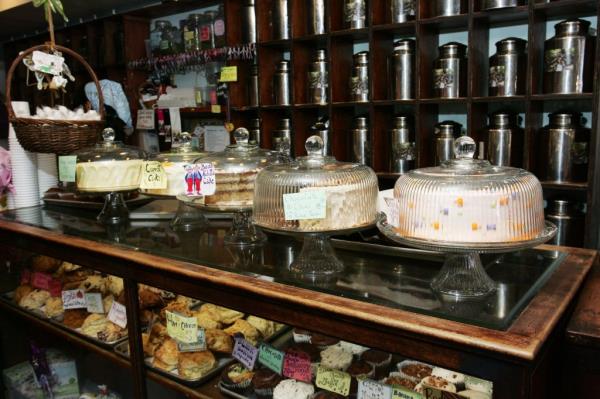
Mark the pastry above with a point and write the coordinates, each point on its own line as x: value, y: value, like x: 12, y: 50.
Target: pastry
x: 336, y: 358
x: 449, y: 375
x: 236, y: 378
x: 205, y: 320
x: 34, y: 300
x: 74, y: 318
x: 266, y: 327
x: 193, y: 365
x: 111, y: 333
x: 414, y: 371
x: 115, y: 285
x: 66, y: 267
x: 108, y: 176
x: 181, y: 308
x: 54, y: 308
x: 166, y: 355
x: 396, y: 379
x: 241, y: 326
x: 292, y: 389
x: 264, y: 381
x: 46, y: 264
x: 477, y: 384
x: 148, y: 346
x: 223, y: 315
x: 437, y: 382
x: 95, y: 283
x: 147, y: 317
x: 21, y: 292
x: 218, y: 340
x: 150, y: 298
x: 153, y: 339
x: 94, y: 324
x: 471, y: 394
x: 107, y: 302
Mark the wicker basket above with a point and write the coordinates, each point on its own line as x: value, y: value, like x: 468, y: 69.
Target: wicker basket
x: 53, y: 136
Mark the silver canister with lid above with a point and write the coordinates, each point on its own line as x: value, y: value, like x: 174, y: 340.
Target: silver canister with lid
x: 508, y: 68
x: 254, y: 130
x: 445, y: 134
x: 355, y: 14
x: 494, y: 4
x: 318, y: 79
x: 403, y: 10
x: 253, y: 93
x: 567, y: 143
x: 569, y: 221
x: 321, y: 129
x: 359, y: 81
x: 569, y: 58
x: 445, y: 8
x: 248, y: 22
x: 450, y: 71
x: 403, y: 150
x: 402, y: 70
x: 281, y: 20
x: 316, y: 17
x: 281, y: 83
x: 505, y: 140
x: 361, y: 148
x: 283, y: 135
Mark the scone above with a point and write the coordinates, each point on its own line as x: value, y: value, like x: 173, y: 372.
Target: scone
x: 115, y: 285
x: 166, y: 355
x: 54, y: 308
x: 107, y: 302
x: 178, y: 307
x: 266, y: 327
x: 194, y: 365
x: 206, y: 321
x: 95, y: 283
x: 42, y: 263
x: 34, y: 300
x: 250, y: 333
x: 223, y: 315
x: 153, y: 339
x: 148, y: 346
x: 218, y: 341
x: 94, y: 324
x: 74, y: 318
x: 21, y: 292
x: 111, y: 333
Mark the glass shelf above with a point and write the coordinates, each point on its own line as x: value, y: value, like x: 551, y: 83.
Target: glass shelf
x: 389, y: 276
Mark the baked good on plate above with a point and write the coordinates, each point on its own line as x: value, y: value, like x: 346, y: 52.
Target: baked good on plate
x: 166, y: 356
x: 241, y: 326
x: 193, y: 365
x: 218, y: 340
x: 292, y: 389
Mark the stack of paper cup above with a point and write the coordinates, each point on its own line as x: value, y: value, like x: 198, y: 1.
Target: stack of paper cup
x: 47, y: 172
x: 24, y: 173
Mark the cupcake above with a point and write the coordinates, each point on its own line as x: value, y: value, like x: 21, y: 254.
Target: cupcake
x: 449, y: 375
x: 292, y: 389
x: 236, y: 378
x: 359, y: 369
x: 323, y: 341
x: 263, y: 383
x: 413, y: 370
x: 335, y: 358
x: 301, y: 335
x: 397, y: 379
x: 378, y: 359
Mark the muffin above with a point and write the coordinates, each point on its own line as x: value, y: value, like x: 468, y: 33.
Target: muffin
x: 413, y: 370
x: 54, y: 308
x: 360, y: 369
x: 74, y: 318
x: 336, y: 358
x: 236, y: 378
x: 241, y: 326
x: 193, y: 365
x: 264, y: 381
x: 292, y: 389
x: 218, y: 340
x: 323, y: 341
x: 378, y: 359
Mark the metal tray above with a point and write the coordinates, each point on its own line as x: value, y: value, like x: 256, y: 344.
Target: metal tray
x: 236, y: 395
x: 222, y: 362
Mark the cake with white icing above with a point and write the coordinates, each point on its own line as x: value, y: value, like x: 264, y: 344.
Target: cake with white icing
x: 109, y: 176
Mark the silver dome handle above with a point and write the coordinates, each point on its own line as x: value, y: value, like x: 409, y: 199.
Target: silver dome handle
x: 464, y: 147
x: 314, y: 146
x: 108, y: 135
x: 241, y: 135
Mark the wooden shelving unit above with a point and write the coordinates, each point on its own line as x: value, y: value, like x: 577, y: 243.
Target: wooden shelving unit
x: 380, y: 34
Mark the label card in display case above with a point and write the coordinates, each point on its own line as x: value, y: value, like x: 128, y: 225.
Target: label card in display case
x: 369, y: 389
x: 297, y: 365
x: 333, y: 380
x: 271, y: 358
x: 245, y: 353
x: 305, y: 205
x: 66, y: 168
x: 153, y: 176
x: 93, y: 302
x: 73, y: 299
x: 198, y: 346
x: 118, y: 314
x: 181, y: 328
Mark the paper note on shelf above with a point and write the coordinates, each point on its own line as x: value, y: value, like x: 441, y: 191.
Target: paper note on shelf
x: 405, y: 393
x: 310, y: 204
x: 93, y: 302
x: 145, y: 119
x: 333, y: 380
x: 198, y: 346
x: 228, y: 74
x: 215, y: 109
x: 181, y: 328
x: 297, y: 365
x: 66, y: 168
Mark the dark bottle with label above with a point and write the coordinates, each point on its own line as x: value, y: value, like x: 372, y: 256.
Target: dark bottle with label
x: 163, y: 128
x: 219, y: 27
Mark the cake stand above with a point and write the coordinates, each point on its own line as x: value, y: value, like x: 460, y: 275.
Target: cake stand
x: 462, y: 276
x: 317, y: 259
x: 187, y: 217
x: 242, y: 231
x: 115, y: 210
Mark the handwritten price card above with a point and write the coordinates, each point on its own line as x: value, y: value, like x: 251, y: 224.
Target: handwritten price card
x: 403, y: 393
x: 245, y: 353
x: 145, y: 119
x: 271, y: 358
x: 118, y: 314
x: 311, y: 204
x: 153, y: 176
x: 198, y: 346
x: 209, y: 183
x: 297, y: 365
x: 73, y: 299
x: 66, y: 168
x: 93, y: 302
x: 228, y: 74
x: 181, y: 328
x: 369, y: 389
x: 333, y: 381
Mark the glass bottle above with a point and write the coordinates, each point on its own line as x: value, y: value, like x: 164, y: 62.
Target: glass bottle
x: 207, y: 30
x: 219, y: 27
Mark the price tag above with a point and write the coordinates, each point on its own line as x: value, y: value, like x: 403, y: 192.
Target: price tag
x: 66, y: 168
x: 145, y: 119
x: 93, y: 302
x: 47, y: 63
x: 333, y: 381
x: 153, y: 176
x: 181, y: 328
x: 55, y: 288
x: 41, y: 280
x: 198, y: 346
x: 271, y: 358
x: 118, y: 314
x: 228, y: 74
x: 393, y: 211
x: 404, y: 393
x: 310, y: 204
x: 245, y: 353
x: 297, y: 365
x: 369, y: 389
x: 215, y: 109
x: 73, y: 299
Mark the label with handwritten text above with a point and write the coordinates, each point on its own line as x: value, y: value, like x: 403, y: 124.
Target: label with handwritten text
x: 333, y: 380
x: 181, y: 328
x: 245, y: 353
x: 311, y: 204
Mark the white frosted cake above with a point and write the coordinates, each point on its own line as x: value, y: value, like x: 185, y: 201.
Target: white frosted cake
x: 109, y: 176
x: 176, y: 184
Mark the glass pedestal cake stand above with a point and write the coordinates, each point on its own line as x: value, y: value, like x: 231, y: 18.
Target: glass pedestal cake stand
x: 462, y: 276
x: 115, y: 210
x: 242, y: 231
x: 187, y: 217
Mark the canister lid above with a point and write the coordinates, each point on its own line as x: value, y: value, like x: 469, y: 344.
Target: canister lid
x: 361, y: 57
x: 404, y: 45
x: 447, y: 129
x: 284, y: 124
x: 565, y: 119
x: 255, y: 123
x: 360, y: 122
x: 502, y: 119
x: 283, y: 66
x: 561, y: 207
x: 320, y: 55
x: 574, y: 26
x: 401, y: 122
x: 453, y: 49
x: 511, y: 45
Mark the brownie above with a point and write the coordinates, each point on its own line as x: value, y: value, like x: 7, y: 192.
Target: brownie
x: 358, y: 368
x: 265, y: 379
x: 323, y: 340
x: 312, y: 351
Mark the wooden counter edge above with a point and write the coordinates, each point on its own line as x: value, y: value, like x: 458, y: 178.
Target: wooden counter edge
x: 522, y: 340
x: 584, y: 326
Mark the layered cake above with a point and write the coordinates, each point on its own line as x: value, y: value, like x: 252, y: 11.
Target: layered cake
x: 109, y: 176
x: 233, y: 189
x: 176, y: 183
